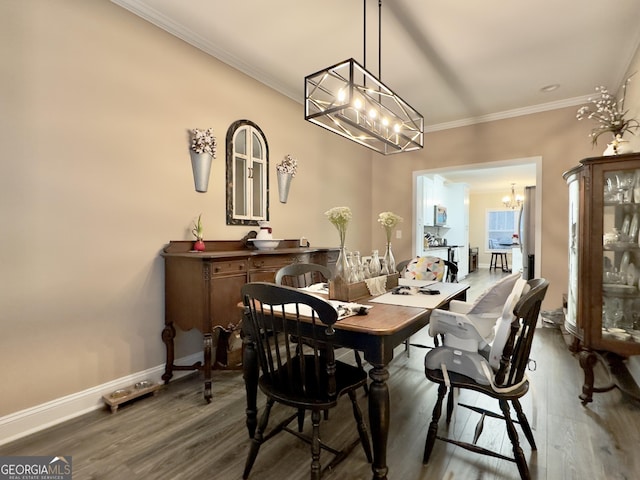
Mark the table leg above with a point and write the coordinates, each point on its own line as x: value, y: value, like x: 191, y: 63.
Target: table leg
x: 250, y: 373
x: 208, y: 342
x: 168, y: 334
x: 379, y: 419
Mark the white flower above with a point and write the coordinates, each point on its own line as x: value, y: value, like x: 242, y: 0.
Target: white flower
x: 609, y: 113
x: 389, y: 220
x: 340, y: 217
x: 288, y: 165
x: 203, y: 141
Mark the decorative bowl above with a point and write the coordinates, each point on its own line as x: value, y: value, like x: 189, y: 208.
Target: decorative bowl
x: 265, y: 244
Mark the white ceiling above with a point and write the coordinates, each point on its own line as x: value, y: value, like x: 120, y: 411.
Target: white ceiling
x: 485, y: 179
x: 456, y: 62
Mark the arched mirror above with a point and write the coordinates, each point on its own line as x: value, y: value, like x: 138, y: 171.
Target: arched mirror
x: 247, y: 174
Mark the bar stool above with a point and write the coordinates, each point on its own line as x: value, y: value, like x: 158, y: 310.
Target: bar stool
x: 502, y: 256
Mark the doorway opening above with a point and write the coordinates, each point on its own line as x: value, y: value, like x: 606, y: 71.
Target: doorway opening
x: 466, y: 192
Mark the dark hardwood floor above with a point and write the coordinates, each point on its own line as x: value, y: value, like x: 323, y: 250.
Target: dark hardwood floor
x: 176, y: 435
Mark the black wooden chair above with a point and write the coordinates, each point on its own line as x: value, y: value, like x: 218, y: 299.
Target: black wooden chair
x: 300, y: 275
x: 507, y: 385
x: 305, y: 375
x: 450, y: 276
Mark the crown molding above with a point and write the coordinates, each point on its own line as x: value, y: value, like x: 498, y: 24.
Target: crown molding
x: 517, y: 112
x: 144, y: 11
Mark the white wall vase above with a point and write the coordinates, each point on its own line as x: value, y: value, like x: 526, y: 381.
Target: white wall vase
x: 201, y: 166
x: 284, y: 183
x: 617, y: 146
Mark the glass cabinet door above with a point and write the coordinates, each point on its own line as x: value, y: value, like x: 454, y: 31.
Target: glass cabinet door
x: 620, y: 255
x: 571, y: 318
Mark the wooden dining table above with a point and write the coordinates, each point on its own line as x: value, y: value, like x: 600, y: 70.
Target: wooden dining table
x: 376, y: 335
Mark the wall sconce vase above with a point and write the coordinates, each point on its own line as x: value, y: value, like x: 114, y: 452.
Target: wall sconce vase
x: 284, y: 183
x: 201, y: 165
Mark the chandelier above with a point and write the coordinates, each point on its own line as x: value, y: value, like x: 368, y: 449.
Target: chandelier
x: 349, y: 100
x: 512, y: 201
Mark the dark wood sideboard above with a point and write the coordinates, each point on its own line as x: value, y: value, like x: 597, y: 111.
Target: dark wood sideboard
x: 202, y: 291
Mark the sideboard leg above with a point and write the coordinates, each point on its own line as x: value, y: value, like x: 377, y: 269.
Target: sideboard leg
x: 168, y: 334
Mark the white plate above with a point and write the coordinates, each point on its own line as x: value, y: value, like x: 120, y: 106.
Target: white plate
x: 625, y: 224
x: 632, y: 275
x: 624, y: 263
x: 633, y: 229
x: 617, y: 288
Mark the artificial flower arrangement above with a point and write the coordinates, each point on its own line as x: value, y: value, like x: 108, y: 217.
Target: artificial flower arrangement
x: 340, y: 217
x: 288, y: 165
x: 203, y: 141
x: 609, y: 113
x: 389, y: 221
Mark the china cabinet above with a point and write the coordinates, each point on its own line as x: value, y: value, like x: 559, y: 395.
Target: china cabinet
x: 603, y: 302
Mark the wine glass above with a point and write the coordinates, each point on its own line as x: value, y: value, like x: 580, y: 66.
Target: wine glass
x: 625, y: 185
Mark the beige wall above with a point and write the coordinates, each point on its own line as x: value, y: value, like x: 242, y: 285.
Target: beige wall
x: 632, y: 101
x: 95, y: 179
x: 556, y: 136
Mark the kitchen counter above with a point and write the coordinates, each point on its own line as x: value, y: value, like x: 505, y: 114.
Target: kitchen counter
x: 446, y: 252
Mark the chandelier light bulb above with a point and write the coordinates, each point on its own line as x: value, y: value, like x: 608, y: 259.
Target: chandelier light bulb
x: 357, y: 104
x: 372, y: 113
x: 341, y: 95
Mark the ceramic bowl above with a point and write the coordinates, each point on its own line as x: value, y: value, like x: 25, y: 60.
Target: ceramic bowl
x: 265, y: 244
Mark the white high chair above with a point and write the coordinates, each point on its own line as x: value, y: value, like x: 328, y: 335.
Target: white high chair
x: 475, y: 331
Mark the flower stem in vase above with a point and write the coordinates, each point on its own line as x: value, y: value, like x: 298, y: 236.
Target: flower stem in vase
x: 389, y: 261
x: 342, y: 265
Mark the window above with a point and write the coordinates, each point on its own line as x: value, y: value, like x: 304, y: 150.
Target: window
x: 500, y: 227
x: 247, y: 174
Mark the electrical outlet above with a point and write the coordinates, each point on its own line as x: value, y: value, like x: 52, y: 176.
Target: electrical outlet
x: 398, y: 234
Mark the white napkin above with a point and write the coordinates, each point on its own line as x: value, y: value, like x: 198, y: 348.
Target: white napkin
x: 322, y: 287
x: 377, y: 285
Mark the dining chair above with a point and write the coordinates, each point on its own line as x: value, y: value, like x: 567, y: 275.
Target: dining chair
x: 307, y: 378
x: 507, y: 383
x: 426, y: 268
x: 299, y: 275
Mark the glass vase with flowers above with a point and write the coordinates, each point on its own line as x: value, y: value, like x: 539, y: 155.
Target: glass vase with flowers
x: 340, y: 217
x: 611, y: 115
x: 389, y: 221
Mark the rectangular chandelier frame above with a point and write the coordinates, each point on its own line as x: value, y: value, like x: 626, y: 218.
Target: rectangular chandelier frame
x: 350, y: 101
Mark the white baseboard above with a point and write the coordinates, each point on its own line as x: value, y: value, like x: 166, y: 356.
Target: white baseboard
x: 31, y: 420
